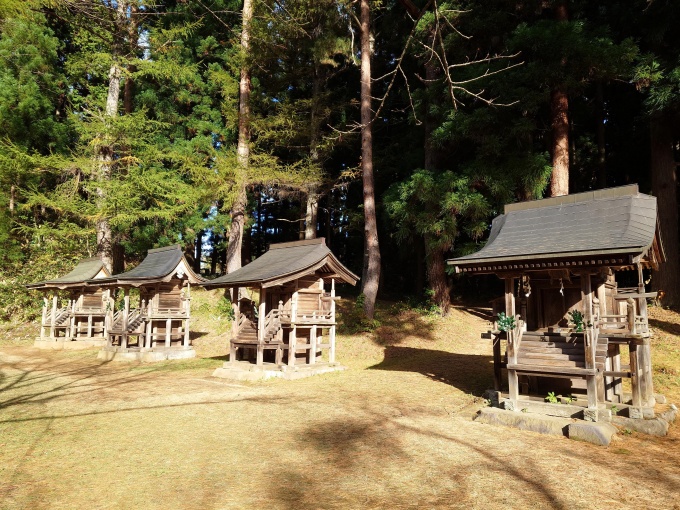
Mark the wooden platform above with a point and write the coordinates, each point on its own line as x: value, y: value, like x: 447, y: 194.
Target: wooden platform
x: 109, y: 353
x: 245, y: 371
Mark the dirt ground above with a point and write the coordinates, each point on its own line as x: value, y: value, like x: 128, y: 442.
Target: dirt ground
x: 393, y: 431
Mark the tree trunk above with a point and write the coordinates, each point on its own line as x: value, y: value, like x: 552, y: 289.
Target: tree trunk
x: 12, y: 198
x: 434, y: 257
x: 601, y: 140
x: 198, y: 251
x: 436, y: 276
x: 419, y: 269
x: 311, y: 217
x: 559, y: 112
x: 105, y: 243
x: 118, y: 253
x: 129, y: 88
x: 312, y: 213
x: 235, y: 239
x: 214, y: 256
x: 103, y: 226
x: 372, y: 273
x: 238, y: 209
x: 559, y: 180
x: 665, y: 189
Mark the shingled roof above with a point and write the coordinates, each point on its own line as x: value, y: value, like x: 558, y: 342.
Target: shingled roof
x: 86, y: 269
x: 605, y: 223
x: 160, y: 264
x: 285, y: 262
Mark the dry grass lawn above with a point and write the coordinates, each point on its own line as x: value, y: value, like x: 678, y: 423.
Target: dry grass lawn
x: 393, y: 431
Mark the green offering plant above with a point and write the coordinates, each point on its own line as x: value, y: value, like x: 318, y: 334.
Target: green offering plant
x: 552, y: 398
x: 577, y: 320
x: 505, y: 323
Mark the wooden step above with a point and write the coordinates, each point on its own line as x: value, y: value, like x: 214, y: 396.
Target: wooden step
x: 565, y: 350
x: 548, y: 369
x: 551, y: 362
x: 561, y: 345
x: 555, y: 356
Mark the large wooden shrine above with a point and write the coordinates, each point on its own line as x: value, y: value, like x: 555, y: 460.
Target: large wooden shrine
x: 156, y: 326
x: 573, y: 270
x: 78, y: 320
x: 292, y: 326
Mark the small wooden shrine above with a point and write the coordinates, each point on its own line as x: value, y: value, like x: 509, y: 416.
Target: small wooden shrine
x: 293, y: 324
x: 560, y: 258
x: 157, y: 327
x: 79, y: 321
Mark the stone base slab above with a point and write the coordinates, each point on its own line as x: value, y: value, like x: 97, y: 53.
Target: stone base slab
x: 68, y: 344
x: 249, y: 372
x: 524, y: 421
x: 596, y: 433
x: 145, y: 355
x: 591, y: 432
x: 657, y: 426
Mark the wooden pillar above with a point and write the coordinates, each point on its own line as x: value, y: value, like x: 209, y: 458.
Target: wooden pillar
x: 513, y: 383
x: 262, y: 315
x: 496, y: 362
x: 54, y: 314
x: 72, y: 318
x: 259, y: 359
x: 646, y: 388
x: 294, y: 305
x: 609, y: 380
x: 148, y: 334
x: 108, y: 307
x: 108, y: 318
x: 236, y: 306
x: 635, y: 374
x: 510, y: 296
x: 44, y: 316
x: 589, y: 340
x: 292, y: 344
x: 331, y: 332
x: 168, y: 331
x: 602, y: 298
x: 232, y: 352
x: 187, y: 312
x: 645, y: 350
x: 312, y: 345
x: 126, y: 315
x: 617, y: 386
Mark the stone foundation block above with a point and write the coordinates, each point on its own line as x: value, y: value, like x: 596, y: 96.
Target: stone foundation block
x: 635, y: 413
x: 596, y: 433
x: 655, y: 427
x: 524, y: 421
x: 591, y: 415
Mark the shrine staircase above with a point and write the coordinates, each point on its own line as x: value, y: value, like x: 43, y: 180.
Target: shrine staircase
x: 255, y: 345
x: 60, y: 317
x: 247, y: 329
x: 555, y: 353
x: 135, y: 324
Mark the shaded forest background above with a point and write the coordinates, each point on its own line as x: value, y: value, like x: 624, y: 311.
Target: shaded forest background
x: 124, y: 126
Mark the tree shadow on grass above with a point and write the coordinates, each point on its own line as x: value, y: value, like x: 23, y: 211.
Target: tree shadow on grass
x: 377, y: 460
x: 478, y: 311
x: 669, y: 327
x: 403, y: 326
x: 470, y: 373
x: 223, y: 357
x: 361, y: 452
x: 47, y: 381
x: 193, y: 335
